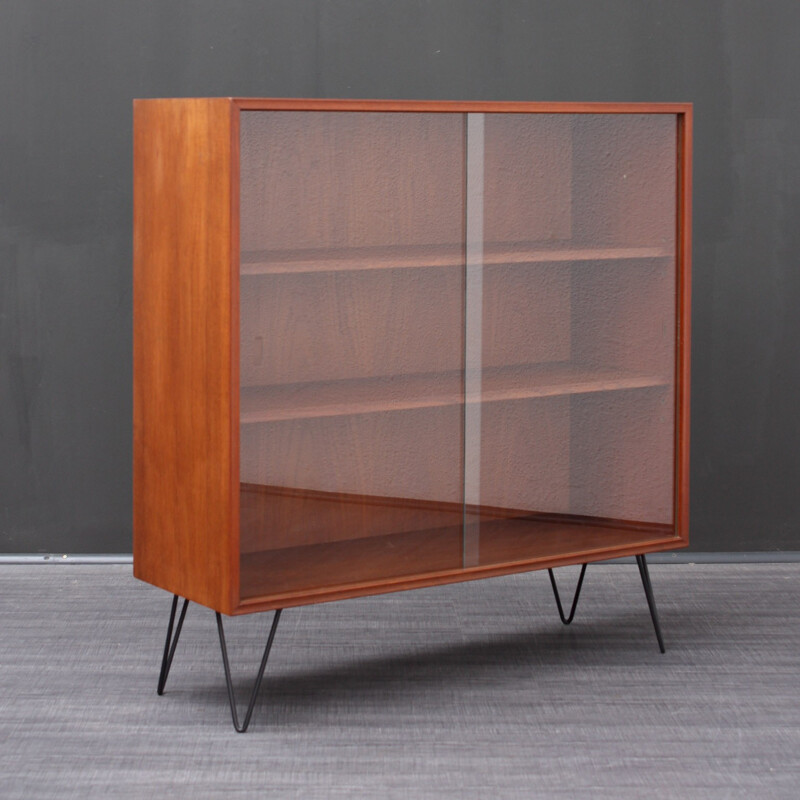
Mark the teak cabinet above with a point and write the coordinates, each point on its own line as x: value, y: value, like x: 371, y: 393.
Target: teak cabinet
x: 385, y: 345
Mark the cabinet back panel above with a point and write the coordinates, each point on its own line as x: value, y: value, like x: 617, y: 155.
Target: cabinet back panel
x: 345, y: 325
x: 623, y: 315
x: 344, y: 180
x: 624, y: 179
x: 412, y: 453
x: 622, y: 455
x: 527, y: 173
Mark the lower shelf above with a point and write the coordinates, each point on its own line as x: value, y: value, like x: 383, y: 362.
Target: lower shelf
x: 332, y: 570
x: 404, y: 392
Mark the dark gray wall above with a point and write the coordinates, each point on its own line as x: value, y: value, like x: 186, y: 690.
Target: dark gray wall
x: 68, y: 73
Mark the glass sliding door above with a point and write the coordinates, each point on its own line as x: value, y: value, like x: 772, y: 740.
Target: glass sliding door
x: 570, y: 332
x: 457, y: 341
x: 351, y: 362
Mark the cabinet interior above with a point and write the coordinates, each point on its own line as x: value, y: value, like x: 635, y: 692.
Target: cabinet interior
x: 457, y: 341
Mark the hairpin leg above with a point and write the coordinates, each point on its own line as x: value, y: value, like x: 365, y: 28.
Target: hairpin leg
x: 567, y: 620
x: 171, y: 644
x: 651, y: 602
x: 254, y: 694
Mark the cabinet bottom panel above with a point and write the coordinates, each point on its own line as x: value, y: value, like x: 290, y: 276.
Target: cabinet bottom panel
x: 334, y: 570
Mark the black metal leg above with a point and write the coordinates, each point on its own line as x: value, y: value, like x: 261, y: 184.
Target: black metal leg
x: 231, y: 697
x: 171, y: 644
x: 567, y: 620
x: 651, y: 602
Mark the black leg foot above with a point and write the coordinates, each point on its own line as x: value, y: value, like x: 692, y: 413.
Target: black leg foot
x: 651, y: 602
x: 171, y: 644
x: 231, y: 697
x: 567, y: 620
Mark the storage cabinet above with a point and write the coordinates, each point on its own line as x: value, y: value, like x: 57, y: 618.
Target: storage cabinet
x: 383, y: 345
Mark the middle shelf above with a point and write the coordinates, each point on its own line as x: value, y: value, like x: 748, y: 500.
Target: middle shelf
x: 260, y: 404
x: 280, y: 262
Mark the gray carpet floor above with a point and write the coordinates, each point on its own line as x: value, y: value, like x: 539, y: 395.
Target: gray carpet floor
x: 473, y: 690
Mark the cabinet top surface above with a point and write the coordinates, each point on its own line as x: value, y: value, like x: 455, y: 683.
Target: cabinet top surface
x: 452, y: 106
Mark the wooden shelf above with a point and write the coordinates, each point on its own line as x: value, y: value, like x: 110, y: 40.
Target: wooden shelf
x: 403, y: 560
x: 396, y: 393
x: 282, y: 262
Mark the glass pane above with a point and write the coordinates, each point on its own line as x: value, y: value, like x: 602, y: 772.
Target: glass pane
x: 570, y: 340
x: 351, y: 309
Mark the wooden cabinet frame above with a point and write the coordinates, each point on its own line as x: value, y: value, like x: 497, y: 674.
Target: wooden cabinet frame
x: 187, y: 401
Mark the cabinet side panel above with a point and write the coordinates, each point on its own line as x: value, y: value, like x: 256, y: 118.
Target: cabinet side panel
x: 684, y: 292
x: 182, y: 349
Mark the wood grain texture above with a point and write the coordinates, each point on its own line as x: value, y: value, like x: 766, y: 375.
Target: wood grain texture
x: 183, y: 532
x: 397, y: 393
x: 624, y: 180
x: 281, y: 262
x: 622, y: 447
x: 527, y: 178
x: 330, y: 326
x: 454, y: 106
x: 684, y: 323
x: 277, y: 517
x: 316, y: 180
x: 232, y: 553
x: 396, y: 562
